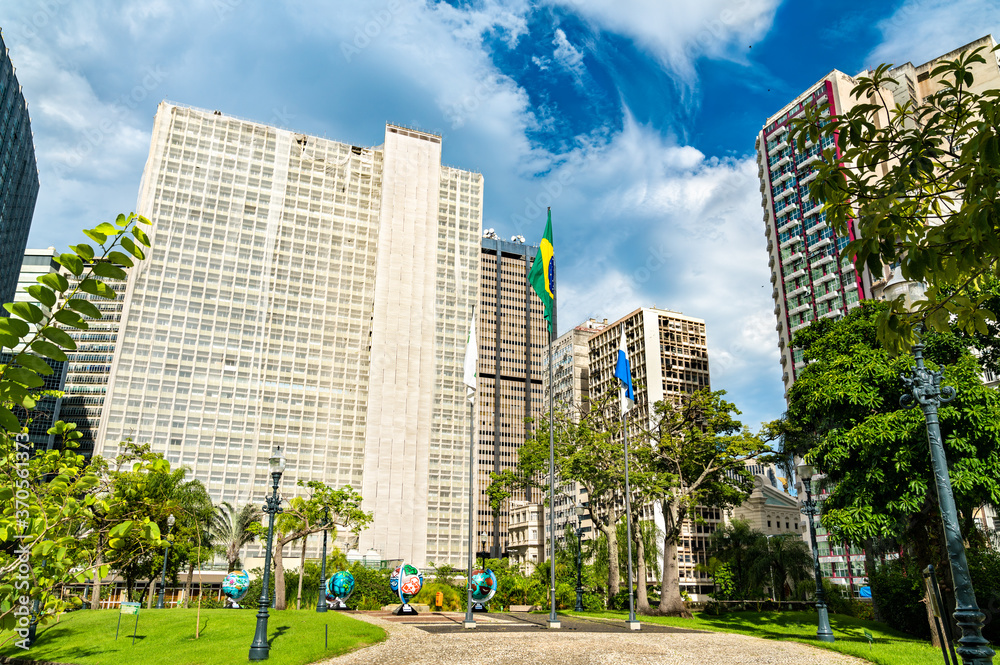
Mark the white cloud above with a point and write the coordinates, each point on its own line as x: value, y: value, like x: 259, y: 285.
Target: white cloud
x: 678, y: 32
x: 924, y: 29
x: 567, y: 55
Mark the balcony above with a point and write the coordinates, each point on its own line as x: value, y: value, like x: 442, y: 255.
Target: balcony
x: 781, y: 162
x: 809, y: 178
x: 801, y: 308
x: 791, y: 241
x: 804, y: 324
x: 794, y: 256
x: 797, y: 292
x: 783, y: 193
x: 777, y: 308
x: 786, y: 208
x: 825, y: 278
x: 807, y: 161
x: 801, y: 272
x: 822, y: 261
x: 823, y: 242
x: 827, y: 296
x: 789, y: 225
x: 783, y: 177
x: 833, y: 313
x: 815, y: 210
x: 770, y: 262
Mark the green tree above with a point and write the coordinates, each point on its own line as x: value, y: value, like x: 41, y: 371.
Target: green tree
x: 232, y: 529
x: 844, y: 413
x: 700, y: 450
x: 916, y: 185
x: 48, y: 495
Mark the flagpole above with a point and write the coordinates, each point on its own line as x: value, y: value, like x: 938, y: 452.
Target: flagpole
x: 632, y: 623
x: 470, y: 621
x: 553, y: 619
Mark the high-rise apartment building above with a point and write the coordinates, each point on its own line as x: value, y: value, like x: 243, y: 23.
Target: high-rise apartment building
x: 809, y: 279
x: 513, y: 338
x: 18, y: 177
x: 668, y: 352
x: 312, y: 295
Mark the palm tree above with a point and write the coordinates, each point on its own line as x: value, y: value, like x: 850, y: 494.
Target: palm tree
x: 780, y: 560
x: 739, y: 545
x: 232, y: 529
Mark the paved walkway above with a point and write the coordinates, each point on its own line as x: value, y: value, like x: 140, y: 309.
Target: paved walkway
x: 522, y: 639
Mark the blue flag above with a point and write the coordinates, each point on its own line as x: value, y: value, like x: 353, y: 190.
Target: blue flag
x: 623, y: 372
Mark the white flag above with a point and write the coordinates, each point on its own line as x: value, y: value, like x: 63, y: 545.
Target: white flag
x: 471, y: 359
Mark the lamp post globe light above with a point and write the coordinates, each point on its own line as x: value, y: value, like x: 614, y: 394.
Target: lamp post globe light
x: 321, y: 603
x: 809, y: 508
x: 580, y: 512
x: 166, y: 551
x: 924, y: 388
x: 272, y: 506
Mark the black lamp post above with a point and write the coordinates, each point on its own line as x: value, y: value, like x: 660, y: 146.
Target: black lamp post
x: 321, y: 603
x: 580, y: 511
x: 166, y: 551
x: 483, y: 552
x: 272, y: 506
x: 925, y: 389
x: 809, y: 508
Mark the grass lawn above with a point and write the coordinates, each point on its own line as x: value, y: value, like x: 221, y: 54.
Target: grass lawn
x: 87, y: 637
x: 891, y: 647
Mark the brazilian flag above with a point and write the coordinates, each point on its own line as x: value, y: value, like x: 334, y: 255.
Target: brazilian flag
x: 542, y: 276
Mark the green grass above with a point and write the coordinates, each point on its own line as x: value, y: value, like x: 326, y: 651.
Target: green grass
x: 891, y: 647
x: 167, y: 637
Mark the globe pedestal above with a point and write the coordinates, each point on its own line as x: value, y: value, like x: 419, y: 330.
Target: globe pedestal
x: 479, y: 607
x: 405, y: 610
x: 337, y: 604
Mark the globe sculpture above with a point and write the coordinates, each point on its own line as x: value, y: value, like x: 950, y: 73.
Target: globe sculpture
x: 406, y: 581
x: 236, y: 585
x: 484, y: 585
x: 339, y: 588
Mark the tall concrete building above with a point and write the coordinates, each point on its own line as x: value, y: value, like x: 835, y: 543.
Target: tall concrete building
x: 310, y: 294
x: 512, y: 340
x: 18, y: 177
x: 809, y: 279
x: 668, y: 352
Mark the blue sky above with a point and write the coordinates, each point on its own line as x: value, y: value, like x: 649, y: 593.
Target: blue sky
x: 634, y: 119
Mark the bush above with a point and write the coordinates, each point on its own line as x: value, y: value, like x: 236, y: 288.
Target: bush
x: 454, y: 598
x: 984, y: 568
x: 898, y: 590
x: 373, y: 585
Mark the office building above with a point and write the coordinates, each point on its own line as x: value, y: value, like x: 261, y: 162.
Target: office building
x: 18, y: 177
x: 34, y: 264
x: 668, y: 352
x: 313, y: 295
x: 513, y: 340
x: 88, y: 367
x: 809, y: 279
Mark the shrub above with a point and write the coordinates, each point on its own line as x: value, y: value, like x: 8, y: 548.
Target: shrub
x: 984, y: 568
x: 373, y: 585
x: 453, y: 597
x: 898, y: 589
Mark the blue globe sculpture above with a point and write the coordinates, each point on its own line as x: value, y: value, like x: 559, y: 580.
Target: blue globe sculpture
x: 236, y: 585
x: 341, y: 586
x: 484, y: 585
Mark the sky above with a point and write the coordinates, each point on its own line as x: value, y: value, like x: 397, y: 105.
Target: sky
x: 634, y: 120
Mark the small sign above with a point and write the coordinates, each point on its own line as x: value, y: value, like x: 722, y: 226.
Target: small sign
x: 130, y: 608
x: 870, y: 638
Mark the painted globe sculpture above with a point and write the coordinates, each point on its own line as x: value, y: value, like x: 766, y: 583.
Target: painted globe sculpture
x: 341, y: 586
x: 484, y: 585
x: 236, y: 585
x: 406, y: 581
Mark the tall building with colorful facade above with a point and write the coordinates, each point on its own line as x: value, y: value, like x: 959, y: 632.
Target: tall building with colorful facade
x: 18, y: 177
x: 309, y: 294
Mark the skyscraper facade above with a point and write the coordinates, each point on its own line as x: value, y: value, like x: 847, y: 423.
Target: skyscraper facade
x: 668, y: 352
x: 513, y: 339
x: 809, y: 279
x: 18, y: 177
x: 313, y: 295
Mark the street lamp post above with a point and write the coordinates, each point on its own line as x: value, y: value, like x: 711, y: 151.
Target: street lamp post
x: 321, y: 603
x: 809, y: 508
x: 925, y: 389
x: 482, y: 537
x: 580, y: 511
x: 272, y: 506
x: 166, y: 551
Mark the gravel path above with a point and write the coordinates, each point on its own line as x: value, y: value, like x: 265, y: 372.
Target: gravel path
x: 408, y: 644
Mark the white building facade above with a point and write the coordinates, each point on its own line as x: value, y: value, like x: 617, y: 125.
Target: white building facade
x: 310, y: 294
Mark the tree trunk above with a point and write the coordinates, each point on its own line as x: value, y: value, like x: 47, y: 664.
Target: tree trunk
x: 95, y: 593
x: 149, y: 591
x: 614, y: 580
x: 671, y: 602
x: 190, y: 582
x: 869, y: 571
x: 279, y: 575
x: 642, y: 594
x: 302, y: 573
